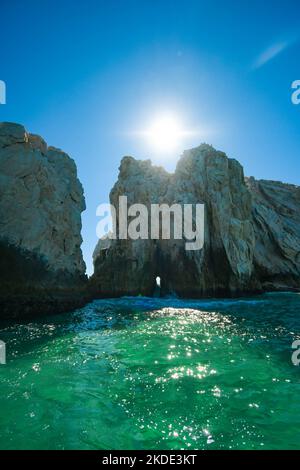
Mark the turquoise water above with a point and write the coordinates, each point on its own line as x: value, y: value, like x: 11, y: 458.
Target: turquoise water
x: 154, y: 374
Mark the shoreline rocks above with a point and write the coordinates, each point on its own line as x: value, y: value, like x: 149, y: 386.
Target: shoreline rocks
x: 276, y: 222
x: 41, y: 199
x: 248, y: 224
x: 251, y: 236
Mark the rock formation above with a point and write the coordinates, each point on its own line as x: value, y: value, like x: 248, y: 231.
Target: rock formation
x: 276, y: 222
x: 41, y: 200
x: 252, y: 232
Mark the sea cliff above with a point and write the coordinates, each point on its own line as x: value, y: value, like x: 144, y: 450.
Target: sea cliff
x: 251, y: 238
x: 41, y: 200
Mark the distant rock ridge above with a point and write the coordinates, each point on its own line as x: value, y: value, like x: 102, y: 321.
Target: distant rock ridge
x: 252, y: 232
x: 41, y: 200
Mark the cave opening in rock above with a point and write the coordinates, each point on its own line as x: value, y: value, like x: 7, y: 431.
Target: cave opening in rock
x: 157, y: 288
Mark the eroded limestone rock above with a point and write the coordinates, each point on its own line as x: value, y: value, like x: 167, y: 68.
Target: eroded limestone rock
x: 252, y: 232
x: 41, y: 200
x: 276, y: 221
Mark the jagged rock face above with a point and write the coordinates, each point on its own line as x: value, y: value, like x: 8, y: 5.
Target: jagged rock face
x: 276, y: 220
x: 224, y: 265
x: 41, y: 200
x: 252, y: 232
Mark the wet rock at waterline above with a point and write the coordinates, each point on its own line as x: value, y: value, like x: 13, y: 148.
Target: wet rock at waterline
x: 251, y: 232
x: 41, y: 200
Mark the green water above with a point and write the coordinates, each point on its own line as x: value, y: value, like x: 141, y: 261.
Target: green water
x: 154, y: 374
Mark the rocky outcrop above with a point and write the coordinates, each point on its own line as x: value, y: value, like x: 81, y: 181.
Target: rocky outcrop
x: 41, y: 200
x: 252, y: 232
x: 276, y: 222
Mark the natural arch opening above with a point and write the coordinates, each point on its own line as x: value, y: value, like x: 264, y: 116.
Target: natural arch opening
x: 157, y: 288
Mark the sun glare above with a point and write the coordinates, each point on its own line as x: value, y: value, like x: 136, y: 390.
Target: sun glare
x: 165, y: 133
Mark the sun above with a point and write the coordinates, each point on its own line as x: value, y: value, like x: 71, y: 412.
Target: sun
x: 165, y: 133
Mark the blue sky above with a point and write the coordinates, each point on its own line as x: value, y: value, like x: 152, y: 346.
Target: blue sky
x: 87, y: 75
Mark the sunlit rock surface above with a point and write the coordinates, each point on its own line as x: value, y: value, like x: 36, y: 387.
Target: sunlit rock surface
x: 276, y: 222
x: 252, y: 232
x: 41, y: 200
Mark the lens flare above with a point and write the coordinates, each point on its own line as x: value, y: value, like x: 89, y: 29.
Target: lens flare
x: 165, y: 133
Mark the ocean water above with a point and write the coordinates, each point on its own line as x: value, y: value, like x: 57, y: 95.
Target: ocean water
x: 141, y: 373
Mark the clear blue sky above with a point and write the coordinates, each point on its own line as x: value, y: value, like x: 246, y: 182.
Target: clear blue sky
x: 86, y: 74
